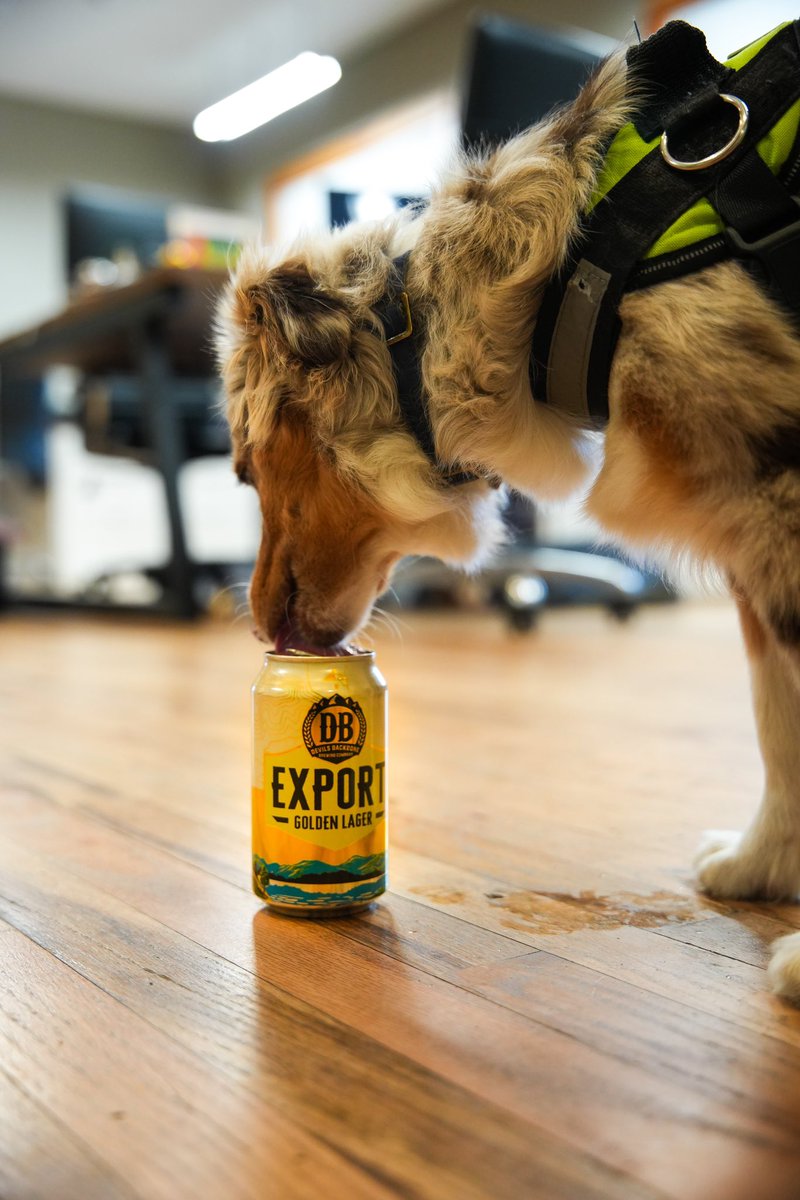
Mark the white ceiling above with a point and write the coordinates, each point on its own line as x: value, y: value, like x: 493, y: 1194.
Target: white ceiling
x: 164, y: 60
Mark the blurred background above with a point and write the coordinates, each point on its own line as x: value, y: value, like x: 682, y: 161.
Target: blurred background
x: 117, y: 225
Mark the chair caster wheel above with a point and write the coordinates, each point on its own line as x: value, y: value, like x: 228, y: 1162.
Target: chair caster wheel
x: 523, y: 622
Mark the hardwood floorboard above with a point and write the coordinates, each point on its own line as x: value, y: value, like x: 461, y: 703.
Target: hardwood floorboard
x: 661, y: 1033
x: 746, y: 935
x: 220, y: 1032
x: 634, y: 937
x: 40, y: 1158
x: 151, y: 1111
x: 518, y: 1065
x: 542, y: 1008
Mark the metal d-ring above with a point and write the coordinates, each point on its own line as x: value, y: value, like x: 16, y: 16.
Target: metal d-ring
x: 701, y: 163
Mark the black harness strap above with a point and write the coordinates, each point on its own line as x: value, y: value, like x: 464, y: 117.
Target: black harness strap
x: 405, y: 337
x: 679, y: 73
x: 763, y: 221
x: 578, y: 323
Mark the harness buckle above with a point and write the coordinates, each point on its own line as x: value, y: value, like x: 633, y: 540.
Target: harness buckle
x: 779, y: 255
x: 409, y: 329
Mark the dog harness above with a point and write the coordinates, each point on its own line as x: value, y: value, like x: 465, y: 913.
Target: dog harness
x: 708, y: 169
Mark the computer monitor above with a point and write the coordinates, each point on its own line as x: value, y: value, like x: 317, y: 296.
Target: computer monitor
x: 518, y: 73
x: 100, y: 223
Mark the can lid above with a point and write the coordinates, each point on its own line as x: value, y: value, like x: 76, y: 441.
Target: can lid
x: 292, y: 655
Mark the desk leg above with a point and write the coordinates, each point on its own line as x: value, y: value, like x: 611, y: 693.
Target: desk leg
x: 170, y: 454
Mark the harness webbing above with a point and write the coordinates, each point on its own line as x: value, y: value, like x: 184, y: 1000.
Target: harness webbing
x: 404, y: 334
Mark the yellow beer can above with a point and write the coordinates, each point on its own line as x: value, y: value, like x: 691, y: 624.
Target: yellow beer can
x: 319, y: 783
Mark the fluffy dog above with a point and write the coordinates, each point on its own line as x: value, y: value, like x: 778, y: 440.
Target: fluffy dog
x: 704, y: 399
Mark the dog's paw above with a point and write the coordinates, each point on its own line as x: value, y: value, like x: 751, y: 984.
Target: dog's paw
x: 730, y: 867
x: 723, y: 870
x: 783, y: 972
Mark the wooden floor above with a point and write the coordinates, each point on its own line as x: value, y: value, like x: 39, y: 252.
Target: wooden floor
x: 542, y: 1007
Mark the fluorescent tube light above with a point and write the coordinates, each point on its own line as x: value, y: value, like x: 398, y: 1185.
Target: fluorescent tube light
x: 254, y: 105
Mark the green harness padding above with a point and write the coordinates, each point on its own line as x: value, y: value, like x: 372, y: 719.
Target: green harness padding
x: 701, y: 221
x: 654, y: 217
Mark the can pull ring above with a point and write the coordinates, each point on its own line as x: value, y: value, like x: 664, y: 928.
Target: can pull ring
x: 711, y: 160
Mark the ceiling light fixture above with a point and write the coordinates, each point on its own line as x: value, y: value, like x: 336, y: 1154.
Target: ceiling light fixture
x: 273, y: 94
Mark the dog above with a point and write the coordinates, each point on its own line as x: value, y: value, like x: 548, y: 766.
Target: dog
x: 703, y: 393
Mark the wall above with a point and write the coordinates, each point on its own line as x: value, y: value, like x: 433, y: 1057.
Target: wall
x: 45, y: 150
x: 427, y: 56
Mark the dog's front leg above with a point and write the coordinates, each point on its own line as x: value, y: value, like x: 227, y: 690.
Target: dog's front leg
x: 764, y: 861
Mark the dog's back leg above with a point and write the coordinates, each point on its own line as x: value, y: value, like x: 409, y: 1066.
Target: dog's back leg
x: 764, y: 862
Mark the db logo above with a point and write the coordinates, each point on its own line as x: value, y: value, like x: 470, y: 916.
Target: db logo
x: 334, y: 728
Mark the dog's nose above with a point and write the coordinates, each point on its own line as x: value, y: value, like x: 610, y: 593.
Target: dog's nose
x: 313, y: 638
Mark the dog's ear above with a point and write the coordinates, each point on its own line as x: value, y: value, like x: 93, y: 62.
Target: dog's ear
x: 313, y: 324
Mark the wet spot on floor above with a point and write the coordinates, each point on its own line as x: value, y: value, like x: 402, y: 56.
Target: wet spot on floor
x: 441, y: 895
x: 565, y: 912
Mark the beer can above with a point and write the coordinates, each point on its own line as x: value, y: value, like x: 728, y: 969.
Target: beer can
x: 319, y: 783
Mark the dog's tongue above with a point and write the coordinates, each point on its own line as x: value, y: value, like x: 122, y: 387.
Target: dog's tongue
x: 289, y: 641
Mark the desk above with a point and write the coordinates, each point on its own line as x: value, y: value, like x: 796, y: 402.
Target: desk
x: 156, y: 328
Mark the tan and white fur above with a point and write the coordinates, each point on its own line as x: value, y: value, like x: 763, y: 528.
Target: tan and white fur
x: 701, y: 456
